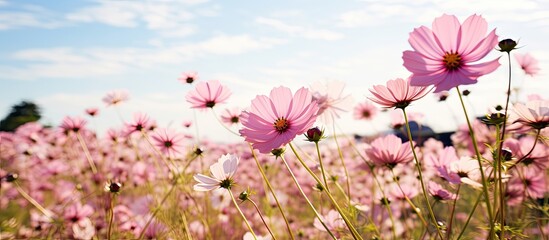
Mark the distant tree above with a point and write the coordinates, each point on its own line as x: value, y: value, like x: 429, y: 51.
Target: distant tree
x: 22, y: 113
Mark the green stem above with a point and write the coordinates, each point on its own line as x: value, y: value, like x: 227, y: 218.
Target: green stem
x: 322, y: 166
x: 418, y: 167
x: 348, y: 179
x: 353, y: 230
x: 32, y: 201
x: 111, y: 217
x: 142, y: 233
x: 479, y: 160
x: 449, y: 231
x: 262, y: 218
x: 469, y: 217
x: 86, y: 152
x: 306, y: 198
x: 242, y: 214
x: 271, y: 190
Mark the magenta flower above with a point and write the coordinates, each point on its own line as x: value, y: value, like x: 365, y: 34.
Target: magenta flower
x: 365, y: 111
x: 208, y: 94
x: 274, y: 121
x: 398, y: 93
x: 168, y: 141
x: 389, y: 151
x: 528, y: 63
x: 439, y: 193
x: 445, y: 55
x: 77, y: 213
x: 93, y: 111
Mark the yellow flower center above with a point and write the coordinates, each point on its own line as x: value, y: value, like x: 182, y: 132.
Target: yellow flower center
x: 452, y: 61
x: 281, y: 124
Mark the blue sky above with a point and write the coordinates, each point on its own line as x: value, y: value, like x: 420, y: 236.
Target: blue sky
x: 66, y: 55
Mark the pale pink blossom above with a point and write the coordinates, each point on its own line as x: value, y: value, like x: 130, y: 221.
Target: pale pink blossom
x: 439, y: 193
x: 528, y: 63
x: 116, y: 97
x: 274, y: 121
x: 222, y: 174
x: 168, y: 141
x: 365, y: 110
x: 231, y: 116
x: 208, y: 94
x: 333, y: 220
x: 76, y: 213
x: 141, y: 123
x: 331, y: 100
x: 92, y: 111
x: 389, y: 151
x: 398, y: 93
x: 534, y: 114
x: 188, y: 77
x: 73, y: 124
x: 446, y: 55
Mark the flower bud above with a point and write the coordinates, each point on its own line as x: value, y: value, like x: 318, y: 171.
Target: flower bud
x: 507, y: 45
x: 314, y: 134
x: 11, y: 177
x: 278, y: 151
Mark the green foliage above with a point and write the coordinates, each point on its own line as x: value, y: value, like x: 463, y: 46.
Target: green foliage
x: 20, y: 114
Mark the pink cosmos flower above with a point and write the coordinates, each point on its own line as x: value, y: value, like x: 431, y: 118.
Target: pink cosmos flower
x: 534, y: 114
x: 398, y: 93
x: 115, y: 97
x: 445, y: 55
x: 77, y: 213
x: 439, y: 193
x: 168, y: 141
x: 532, y: 181
x: 73, y: 124
x: 333, y: 221
x: 528, y: 63
x: 538, y: 157
x: 208, y: 94
x: 141, y: 122
x: 274, y: 121
x: 331, y: 101
x: 231, y: 116
x: 389, y: 151
x: 222, y: 174
x: 93, y: 111
x: 365, y: 111
x: 188, y: 77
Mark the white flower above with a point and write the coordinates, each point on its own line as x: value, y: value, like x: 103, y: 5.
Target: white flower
x: 222, y: 172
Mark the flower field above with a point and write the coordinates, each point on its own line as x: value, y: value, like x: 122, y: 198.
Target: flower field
x: 294, y: 174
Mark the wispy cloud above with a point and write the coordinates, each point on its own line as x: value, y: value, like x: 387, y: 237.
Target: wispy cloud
x: 90, y: 62
x: 28, y: 16
x: 295, y: 30
x: 376, y: 12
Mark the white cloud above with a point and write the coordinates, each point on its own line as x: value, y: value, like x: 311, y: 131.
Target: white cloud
x: 91, y: 62
x: 376, y: 12
x: 28, y: 16
x: 310, y: 33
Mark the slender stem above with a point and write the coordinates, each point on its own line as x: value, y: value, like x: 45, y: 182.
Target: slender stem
x: 418, y: 167
x: 271, y: 190
x: 353, y: 230
x: 306, y: 198
x: 186, y: 225
x: 142, y: 233
x: 412, y: 205
x: 86, y: 152
x: 262, y: 219
x: 529, y: 152
x: 348, y: 179
x: 469, y: 217
x: 322, y: 166
x: 450, y: 221
x: 32, y: 201
x: 241, y: 213
x: 479, y: 160
x: 111, y: 217
x: 378, y: 184
x: 500, y: 149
